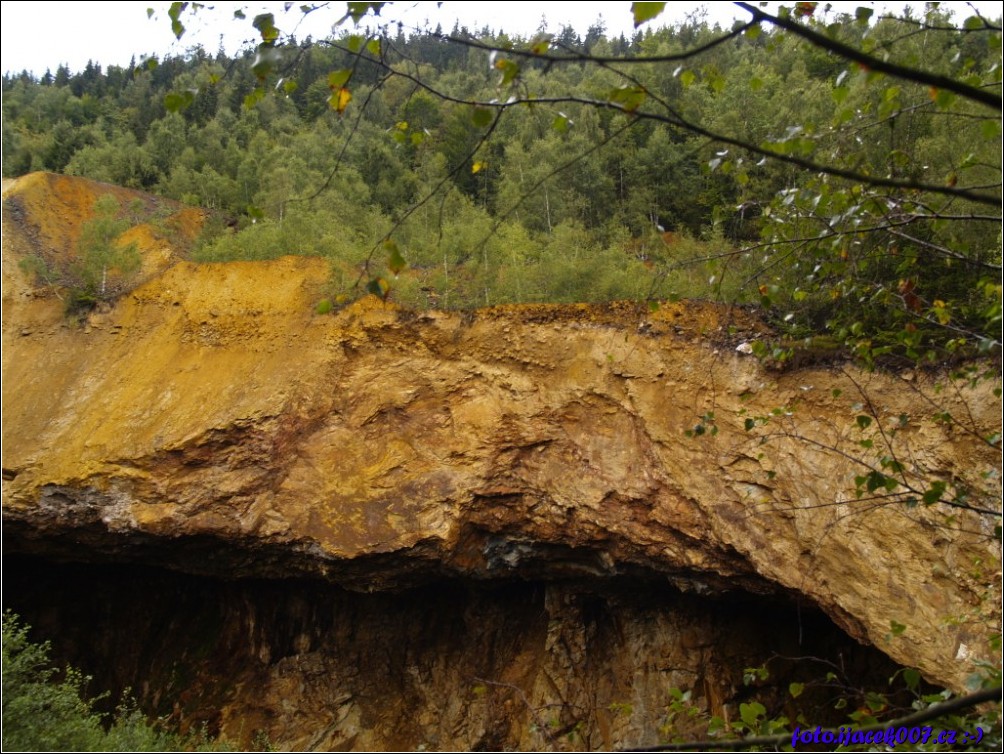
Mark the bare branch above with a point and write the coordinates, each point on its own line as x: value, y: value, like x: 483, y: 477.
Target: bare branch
x: 573, y: 56
x: 875, y: 64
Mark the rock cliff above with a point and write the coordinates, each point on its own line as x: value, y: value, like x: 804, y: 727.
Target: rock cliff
x: 518, y: 526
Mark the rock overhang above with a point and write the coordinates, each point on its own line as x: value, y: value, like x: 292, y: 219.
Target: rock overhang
x: 211, y: 421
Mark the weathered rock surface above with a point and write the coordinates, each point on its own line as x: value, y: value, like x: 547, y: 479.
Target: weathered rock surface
x: 453, y: 665
x: 212, y: 423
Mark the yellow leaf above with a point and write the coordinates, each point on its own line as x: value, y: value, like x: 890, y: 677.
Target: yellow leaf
x: 340, y: 99
x: 478, y: 166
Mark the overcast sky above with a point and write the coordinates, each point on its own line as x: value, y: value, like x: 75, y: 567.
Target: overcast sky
x: 40, y: 35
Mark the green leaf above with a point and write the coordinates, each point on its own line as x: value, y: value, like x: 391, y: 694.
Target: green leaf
x: 378, y: 287
x: 256, y: 96
x: 395, y: 260
x: 864, y: 421
x: 509, y: 68
x: 373, y: 47
x: 894, y: 466
x: 338, y: 79
x: 934, y: 494
x: 911, y: 677
x: 942, y: 98
x: 239, y: 15
x: 751, y: 713
x: 482, y: 117
x: 355, y: 42
x: 646, y: 12
x: 749, y: 424
x: 687, y: 78
x: 177, y: 101
x: 862, y: 14
x: 796, y: 689
x: 174, y: 12
x: 876, y: 702
x: 630, y: 98
x: 541, y: 44
x: 265, y: 24
x: 876, y: 479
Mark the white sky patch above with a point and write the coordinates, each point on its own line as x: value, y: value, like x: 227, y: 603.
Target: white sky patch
x: 36, y: 36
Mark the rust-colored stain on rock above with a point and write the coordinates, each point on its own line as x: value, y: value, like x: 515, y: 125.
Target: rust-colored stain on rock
x: 377, y: 448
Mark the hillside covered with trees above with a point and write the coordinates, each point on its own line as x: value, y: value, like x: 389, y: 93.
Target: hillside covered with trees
x: 465, y: 168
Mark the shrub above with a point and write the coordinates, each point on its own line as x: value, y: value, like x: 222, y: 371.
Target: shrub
x: 46, y: 710
x: 100, y: 253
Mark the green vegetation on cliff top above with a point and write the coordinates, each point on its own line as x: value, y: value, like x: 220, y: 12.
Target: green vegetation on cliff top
x: 841, y: 171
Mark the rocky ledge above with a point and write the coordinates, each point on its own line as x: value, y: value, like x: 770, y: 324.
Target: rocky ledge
x: 213, y: 424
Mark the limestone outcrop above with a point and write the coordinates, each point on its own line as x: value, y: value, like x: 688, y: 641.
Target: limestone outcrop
x: 211, y: 423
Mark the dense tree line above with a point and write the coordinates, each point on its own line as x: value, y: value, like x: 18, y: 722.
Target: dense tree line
x: 568, y: 199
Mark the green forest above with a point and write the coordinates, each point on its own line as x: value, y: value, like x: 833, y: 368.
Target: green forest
x: 854, y: 196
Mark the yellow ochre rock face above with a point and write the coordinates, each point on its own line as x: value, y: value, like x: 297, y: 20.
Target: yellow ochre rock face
x: 211, y: 422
